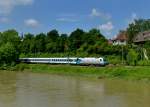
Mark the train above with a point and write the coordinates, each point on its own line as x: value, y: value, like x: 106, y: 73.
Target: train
x: 68, y: 60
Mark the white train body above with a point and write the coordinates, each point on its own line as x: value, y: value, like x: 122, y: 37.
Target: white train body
x: 93, y: 61
x: 49, y: 60
x: 74, y: 61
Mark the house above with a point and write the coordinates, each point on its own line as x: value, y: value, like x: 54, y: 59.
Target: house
x: 110, y: 42
x: 121, y: 39
x: 142, y: 37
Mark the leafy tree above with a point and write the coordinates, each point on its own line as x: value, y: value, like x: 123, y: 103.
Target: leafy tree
x: 132, y: 57
x: 52, y: 36
x: 147, y: 47
x: 28, y: 44
x: 75, y: 39
x: 8, y: 53
x: 40, y: 42
x: 10, y: 36
x: 63, y: 43
x: 137, y: 26
x: 52, y: 39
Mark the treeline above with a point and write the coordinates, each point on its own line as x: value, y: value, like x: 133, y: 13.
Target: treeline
x: 78, y: 42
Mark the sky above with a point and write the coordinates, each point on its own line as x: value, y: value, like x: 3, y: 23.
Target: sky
x: 36, y: 16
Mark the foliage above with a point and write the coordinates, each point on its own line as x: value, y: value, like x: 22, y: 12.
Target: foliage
x: 147, y: 47
x: 122, y: 72
x: 137, y: 26
x: 132, y: 57
x: 8, y: 54
x: 113, y: 59
x: 9, y: 47
x: 78, y: 43
x: 143, y: 63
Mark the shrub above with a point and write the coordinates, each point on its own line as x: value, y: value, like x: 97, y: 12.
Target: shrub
x: 144, y: 63
x: 132, y: 57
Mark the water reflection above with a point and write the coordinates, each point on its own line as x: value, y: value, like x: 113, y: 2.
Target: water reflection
x: 45, y: 90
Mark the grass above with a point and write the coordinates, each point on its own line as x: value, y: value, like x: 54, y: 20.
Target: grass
x: 122, y: 72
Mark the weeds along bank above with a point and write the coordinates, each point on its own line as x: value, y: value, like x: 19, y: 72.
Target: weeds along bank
x: 121, y: 72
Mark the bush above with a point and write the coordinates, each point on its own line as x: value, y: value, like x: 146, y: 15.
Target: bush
x: 144, y: 63
x: 132, y: 57
x: 21, y: 67
x: 8, y: 54
x: 114, y: 59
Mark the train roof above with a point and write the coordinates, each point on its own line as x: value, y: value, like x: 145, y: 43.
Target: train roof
x: 65, y: 58
x: 51, y: 58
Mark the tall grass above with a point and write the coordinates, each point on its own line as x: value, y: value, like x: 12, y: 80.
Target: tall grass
x: 122, y: 72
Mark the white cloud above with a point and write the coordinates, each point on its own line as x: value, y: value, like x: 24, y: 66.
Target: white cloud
x: 31, y: 23
x: 132, y: 18
x: 4, y: 20
x: 96, y: 13
x: 107, y: 27
x: 66, y: 20
x: 6, y: 6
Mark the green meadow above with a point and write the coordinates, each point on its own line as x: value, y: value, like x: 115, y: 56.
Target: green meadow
x: 118, y: 72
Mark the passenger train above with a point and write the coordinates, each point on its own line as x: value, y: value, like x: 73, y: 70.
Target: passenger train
x: 73, y: 61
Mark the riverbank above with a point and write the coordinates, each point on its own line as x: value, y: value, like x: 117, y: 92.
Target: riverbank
x: 121, y: 72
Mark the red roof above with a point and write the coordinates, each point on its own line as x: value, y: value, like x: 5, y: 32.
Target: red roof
x: 122, y: 36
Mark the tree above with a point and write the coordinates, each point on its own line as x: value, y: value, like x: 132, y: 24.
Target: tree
x: 8, y: 54
x: 40, y: 42
x: 63, y: 43
x: 137, y: 26
x: 10, y: 36
x: 147, y: 47
x: 52, y: 36
x: 75, y: 39
x: 28, y: 44
x: 52, y: 39
x: 132, y: 57
x: 94, y: 36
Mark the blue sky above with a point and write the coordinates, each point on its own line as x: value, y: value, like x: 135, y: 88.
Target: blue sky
x: 37, y: 16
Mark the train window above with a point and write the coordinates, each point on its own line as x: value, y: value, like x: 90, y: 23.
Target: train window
x: 71, y: 60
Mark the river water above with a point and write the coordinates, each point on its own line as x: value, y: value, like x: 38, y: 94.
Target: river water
x: 45, y: 90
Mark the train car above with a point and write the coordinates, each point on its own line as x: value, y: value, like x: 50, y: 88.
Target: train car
x: 74, y: 61
x: 92, y: 61
x: 49, y: 60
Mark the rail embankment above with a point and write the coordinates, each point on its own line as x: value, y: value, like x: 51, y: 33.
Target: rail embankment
x: 120, y: 72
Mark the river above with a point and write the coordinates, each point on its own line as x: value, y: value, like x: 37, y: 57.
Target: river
x: 45, y: 90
